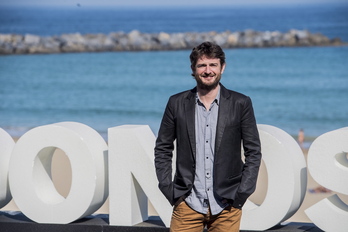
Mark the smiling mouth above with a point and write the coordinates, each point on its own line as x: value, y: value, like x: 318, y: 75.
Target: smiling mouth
x: 209, y: 75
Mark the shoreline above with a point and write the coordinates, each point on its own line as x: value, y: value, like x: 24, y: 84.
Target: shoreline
x: 138, y: 41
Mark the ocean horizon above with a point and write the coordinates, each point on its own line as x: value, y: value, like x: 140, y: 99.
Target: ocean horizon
x: 329, y: 19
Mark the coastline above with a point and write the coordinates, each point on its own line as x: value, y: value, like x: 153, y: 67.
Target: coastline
x: 138, y: 41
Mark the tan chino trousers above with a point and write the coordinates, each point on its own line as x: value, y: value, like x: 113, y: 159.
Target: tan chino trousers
x: 185, y: 219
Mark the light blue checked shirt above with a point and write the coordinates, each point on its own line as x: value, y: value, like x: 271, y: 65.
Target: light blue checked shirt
x: 202, y: 195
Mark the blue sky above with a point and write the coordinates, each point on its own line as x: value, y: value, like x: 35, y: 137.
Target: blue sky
x: 163, y: 3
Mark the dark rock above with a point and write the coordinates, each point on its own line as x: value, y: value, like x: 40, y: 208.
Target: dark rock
x: 137, y: 41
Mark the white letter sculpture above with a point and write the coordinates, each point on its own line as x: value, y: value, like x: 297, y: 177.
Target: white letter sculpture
x: 328, y: 165
x: 132, y: 176
x: 287, y: 180
x: 6, y: 146
x: 30, y: 172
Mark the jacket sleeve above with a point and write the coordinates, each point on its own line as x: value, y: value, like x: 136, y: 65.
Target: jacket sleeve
x: 164, y: 153
x: 252, y: 153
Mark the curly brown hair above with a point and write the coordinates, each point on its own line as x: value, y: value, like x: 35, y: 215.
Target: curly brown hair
x: 208, y: 49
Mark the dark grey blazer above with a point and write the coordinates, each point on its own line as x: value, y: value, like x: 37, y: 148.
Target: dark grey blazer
x: 233, y: 179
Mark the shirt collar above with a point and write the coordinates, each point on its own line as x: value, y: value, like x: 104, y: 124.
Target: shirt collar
x: 216, y: 100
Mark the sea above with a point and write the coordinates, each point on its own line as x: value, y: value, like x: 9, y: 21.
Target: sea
x: 290, y: 87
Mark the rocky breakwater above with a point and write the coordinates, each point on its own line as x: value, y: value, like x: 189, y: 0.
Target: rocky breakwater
x: 137, y: 41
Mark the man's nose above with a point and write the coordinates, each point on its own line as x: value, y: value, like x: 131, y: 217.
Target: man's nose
x: 207, y: 69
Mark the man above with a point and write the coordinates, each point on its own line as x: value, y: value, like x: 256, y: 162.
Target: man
x: 209, y: 124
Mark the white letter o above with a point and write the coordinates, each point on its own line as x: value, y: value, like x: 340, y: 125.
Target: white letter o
x: 30, y: 172
x: 287, y: 180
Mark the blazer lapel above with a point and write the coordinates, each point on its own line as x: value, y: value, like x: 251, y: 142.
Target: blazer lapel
x: 223, y: 116
x: 189, y: 106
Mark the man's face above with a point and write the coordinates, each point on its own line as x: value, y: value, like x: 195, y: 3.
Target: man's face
x: 207, y: 72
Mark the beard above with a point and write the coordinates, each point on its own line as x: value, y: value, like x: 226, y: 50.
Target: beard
x: 207, y: 86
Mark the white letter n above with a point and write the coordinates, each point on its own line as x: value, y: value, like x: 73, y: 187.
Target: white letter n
x: 132, y: 177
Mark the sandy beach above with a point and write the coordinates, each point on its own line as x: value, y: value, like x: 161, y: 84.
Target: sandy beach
x: 61, y: 175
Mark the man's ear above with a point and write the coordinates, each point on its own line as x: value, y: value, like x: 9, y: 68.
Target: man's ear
x: 223, y: 68
x: 193, y: 70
